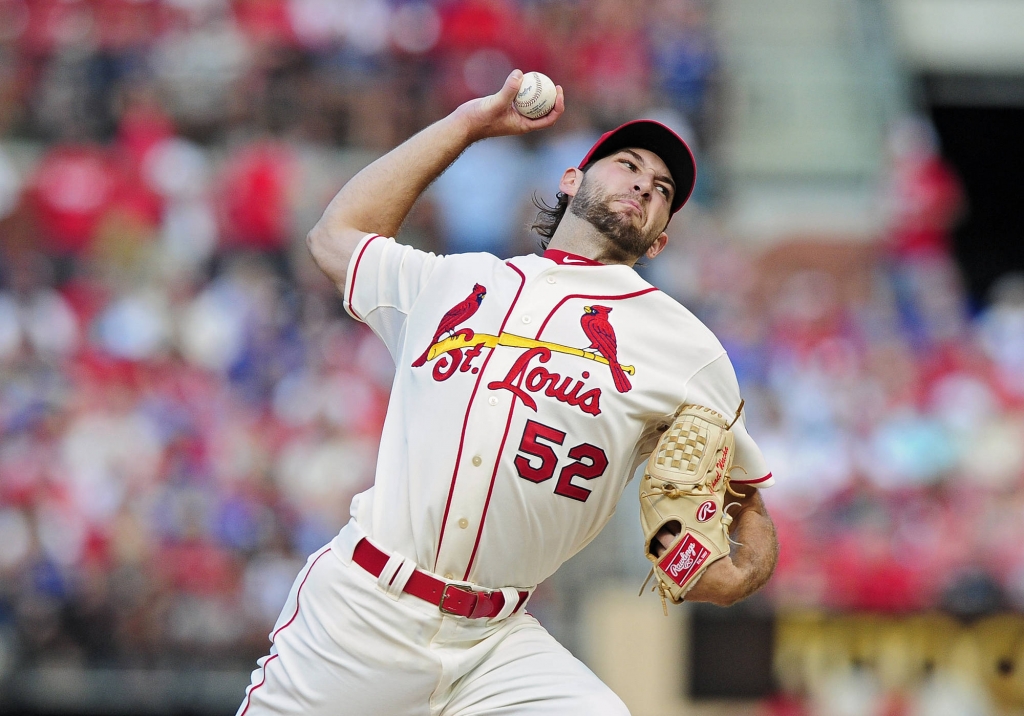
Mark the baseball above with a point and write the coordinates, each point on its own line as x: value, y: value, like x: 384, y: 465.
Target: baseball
x: 536, y: 96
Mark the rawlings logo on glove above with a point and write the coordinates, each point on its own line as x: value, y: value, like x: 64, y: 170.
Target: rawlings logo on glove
x: 688, y: 556
x: 686, y: 481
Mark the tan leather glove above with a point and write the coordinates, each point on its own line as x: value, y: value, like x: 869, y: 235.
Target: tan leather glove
x: 686, y: 480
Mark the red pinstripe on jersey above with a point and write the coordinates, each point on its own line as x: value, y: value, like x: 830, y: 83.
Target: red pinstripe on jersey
x: 465, y: 421
x: 591, y: 298
x: 298, y: 592
x: 508, y: 423
x: 754, y: 482
x: 355, y: 270
x: 490, y: 489
x: 248, y: 696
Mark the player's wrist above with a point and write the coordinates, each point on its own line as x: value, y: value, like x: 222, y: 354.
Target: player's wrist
x: 463, y: 126
x: 721, y: 585
x: 475, y: 121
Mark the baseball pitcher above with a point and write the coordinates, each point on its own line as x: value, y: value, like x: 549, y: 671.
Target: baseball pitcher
x: 526, y: 395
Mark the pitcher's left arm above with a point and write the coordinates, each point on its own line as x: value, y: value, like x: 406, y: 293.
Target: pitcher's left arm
x: 751, y: 562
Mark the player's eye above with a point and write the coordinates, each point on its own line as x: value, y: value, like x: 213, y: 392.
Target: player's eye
x: 629, y: 165
x: 664, y: 190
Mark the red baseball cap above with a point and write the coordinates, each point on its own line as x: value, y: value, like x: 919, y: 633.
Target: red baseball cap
x: 656, y: 137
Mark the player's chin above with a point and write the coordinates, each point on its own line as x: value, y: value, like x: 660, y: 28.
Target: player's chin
x: 636, y: 219
x: 629, y: 217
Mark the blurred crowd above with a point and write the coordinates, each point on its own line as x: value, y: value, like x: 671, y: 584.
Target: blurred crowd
x: 365, y: 72
x: 185, y: 410
x: 893, y: 409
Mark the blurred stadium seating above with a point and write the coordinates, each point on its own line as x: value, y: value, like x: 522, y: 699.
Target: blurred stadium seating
x: 186, y: 411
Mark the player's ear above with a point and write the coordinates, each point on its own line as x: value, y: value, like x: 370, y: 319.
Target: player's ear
x: 571, y: 179
x: 658, y: 246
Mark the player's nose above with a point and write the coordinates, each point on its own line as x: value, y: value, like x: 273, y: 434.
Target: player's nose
x: 644, y: 185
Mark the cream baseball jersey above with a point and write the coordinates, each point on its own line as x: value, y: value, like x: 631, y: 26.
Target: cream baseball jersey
x: 526, y: 394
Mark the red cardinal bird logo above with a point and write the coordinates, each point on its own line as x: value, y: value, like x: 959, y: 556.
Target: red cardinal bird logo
x: 461, y: 313
x: 602, y: 339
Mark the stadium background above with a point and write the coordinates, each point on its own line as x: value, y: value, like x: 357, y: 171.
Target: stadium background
x: 185, y: 410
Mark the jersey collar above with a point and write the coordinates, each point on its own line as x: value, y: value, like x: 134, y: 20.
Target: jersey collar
x: 564, y: 258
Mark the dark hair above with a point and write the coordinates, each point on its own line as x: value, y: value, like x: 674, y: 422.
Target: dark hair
x: 549, y: 217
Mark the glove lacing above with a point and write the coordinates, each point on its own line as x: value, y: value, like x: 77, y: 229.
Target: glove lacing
x: 662, y: 591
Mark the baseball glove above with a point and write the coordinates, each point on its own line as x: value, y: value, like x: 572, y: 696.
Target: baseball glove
x: 686, y: 481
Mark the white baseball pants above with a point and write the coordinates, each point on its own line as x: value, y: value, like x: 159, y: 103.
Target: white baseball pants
x: 344, y: 646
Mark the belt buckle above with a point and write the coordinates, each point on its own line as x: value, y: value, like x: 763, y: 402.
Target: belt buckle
x: 444, y: 595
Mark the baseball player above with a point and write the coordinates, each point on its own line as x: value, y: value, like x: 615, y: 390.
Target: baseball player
x: 527, y: 392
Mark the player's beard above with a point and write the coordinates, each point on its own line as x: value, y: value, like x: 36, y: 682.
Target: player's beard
x: 594, y: 208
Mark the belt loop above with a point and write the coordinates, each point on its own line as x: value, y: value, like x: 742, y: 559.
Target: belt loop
x: 511, y: 595
x: 521, y: 600
x: 394, y: 576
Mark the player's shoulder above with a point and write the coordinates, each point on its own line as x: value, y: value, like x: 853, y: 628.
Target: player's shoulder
x: 672, y: 311
x: 398, y: 245
x: 471, y: 260
x: 654, y: 310
x: 680, y: 325
x: 646, y: 307
x: 642, y: 310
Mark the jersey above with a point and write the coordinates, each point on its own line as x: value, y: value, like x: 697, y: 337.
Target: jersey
x: 526, y: 394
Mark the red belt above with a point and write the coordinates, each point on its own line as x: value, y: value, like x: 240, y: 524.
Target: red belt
x: 449, y: 598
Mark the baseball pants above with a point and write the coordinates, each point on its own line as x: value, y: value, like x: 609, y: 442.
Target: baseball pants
x: 344, y: 646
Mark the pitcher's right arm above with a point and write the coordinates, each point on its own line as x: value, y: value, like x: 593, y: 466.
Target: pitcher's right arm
x: 378, y: 198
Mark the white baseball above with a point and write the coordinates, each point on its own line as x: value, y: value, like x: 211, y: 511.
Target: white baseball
x: 536, y: 96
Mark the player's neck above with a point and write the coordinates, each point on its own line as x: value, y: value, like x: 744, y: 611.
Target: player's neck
x: 579, y: 237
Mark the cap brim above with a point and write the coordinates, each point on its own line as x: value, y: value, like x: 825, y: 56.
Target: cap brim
x: 656, y: 137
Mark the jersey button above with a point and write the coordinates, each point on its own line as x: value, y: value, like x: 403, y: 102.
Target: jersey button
x: 463, y: 523
x: 449, y: 575
x: 477, y: 460
x: 551, y: 279
x: 526, y: 319
x: 493, y: 400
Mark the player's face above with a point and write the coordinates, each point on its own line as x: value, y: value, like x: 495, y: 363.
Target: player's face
x: 627, y: 196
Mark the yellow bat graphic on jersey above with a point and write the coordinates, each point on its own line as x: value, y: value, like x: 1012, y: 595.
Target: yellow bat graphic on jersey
x: 510, y: 339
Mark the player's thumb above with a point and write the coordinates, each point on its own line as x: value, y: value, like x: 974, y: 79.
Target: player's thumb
x: 512, y: 84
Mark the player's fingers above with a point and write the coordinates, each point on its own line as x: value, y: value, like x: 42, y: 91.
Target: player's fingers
x: 666, y: 536
x: 551, y: 117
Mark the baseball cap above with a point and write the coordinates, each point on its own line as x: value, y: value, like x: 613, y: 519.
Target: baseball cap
x: 656, y: 137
